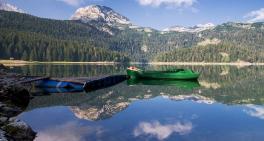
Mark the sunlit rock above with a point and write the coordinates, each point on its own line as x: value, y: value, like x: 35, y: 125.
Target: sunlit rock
x: 213, y: 41
x: 144, y: 48
x: 210, y: 85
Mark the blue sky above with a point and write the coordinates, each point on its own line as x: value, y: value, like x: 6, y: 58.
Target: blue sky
x: 158, y: 14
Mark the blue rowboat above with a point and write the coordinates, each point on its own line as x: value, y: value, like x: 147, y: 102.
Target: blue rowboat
x: 53, y: 83
x: 81, y: 83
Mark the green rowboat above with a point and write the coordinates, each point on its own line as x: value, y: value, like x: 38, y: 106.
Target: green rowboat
x: 178, y: 74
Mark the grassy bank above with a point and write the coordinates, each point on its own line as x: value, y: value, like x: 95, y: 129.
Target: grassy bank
x: 201, y: 63
x: 21, y: 62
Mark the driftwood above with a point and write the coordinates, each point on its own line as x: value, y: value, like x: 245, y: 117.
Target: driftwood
x: 8, y: 79
x: 12, y: 79
x: 30, y: 80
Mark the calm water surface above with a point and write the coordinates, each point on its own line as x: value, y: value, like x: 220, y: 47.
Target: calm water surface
x: 228, y: 105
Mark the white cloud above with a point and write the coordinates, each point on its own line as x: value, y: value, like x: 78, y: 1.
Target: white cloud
x: 72, y: 2
x: 256, y: 16
x: 160, y: 131
x: 255, y: 111
x: 70, y: 131
x: 169, y: 3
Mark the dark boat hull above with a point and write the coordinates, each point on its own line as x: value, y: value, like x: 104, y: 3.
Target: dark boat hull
x: 104, y: 83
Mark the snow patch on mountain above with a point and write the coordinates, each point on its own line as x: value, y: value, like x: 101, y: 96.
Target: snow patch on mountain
x: 107, y: 30
x: 241, y: 25
x: 197, y: 28
x: 100, y: 14
x: 8, y: 7
x: 134, y: 26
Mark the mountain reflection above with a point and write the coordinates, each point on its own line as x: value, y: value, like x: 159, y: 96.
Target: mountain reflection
x: 94, y: 113
x: 193, y: 97
x: 219, y: 84
x: 105, y: 103
x: 227, y: 103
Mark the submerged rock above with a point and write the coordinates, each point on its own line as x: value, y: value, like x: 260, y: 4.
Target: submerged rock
x: 13, y: 101
x: 19, y: 130
x: 2, y: 68
x: 17, y: 95
x: 2, y: 136
x: 3, y: 119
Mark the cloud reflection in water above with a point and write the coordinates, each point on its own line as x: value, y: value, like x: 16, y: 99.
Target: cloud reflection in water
x: 70, y: 131
x: 160, y: 131
x: 255, y: 111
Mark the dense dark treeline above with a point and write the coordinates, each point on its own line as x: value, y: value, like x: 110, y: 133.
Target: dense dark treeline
x: 213, y: 53
x: 38, y: 47
x: 70, y: 30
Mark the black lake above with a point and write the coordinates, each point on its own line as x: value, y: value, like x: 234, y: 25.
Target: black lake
x: 226, y: 104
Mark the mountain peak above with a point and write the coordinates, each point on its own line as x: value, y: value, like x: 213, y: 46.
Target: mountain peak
x: 196, y: 28
x: 207, y: 25
x: 101, y: 14
x: 8, y: 7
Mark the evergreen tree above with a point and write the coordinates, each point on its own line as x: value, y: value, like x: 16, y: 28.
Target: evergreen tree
x: 25, y: 56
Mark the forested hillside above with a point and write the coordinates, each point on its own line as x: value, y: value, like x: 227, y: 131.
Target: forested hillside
x: 28, y: 37
x: 241, y: 34
x: 213, y: 53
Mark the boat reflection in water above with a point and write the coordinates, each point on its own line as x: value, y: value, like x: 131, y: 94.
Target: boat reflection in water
x: 182, y: 84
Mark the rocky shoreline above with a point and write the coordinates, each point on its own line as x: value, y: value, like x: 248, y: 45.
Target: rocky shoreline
x: 13, y: 100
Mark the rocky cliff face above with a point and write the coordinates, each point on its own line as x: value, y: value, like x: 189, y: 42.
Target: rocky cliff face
x: 9, y: 7
x: 101, y: 14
